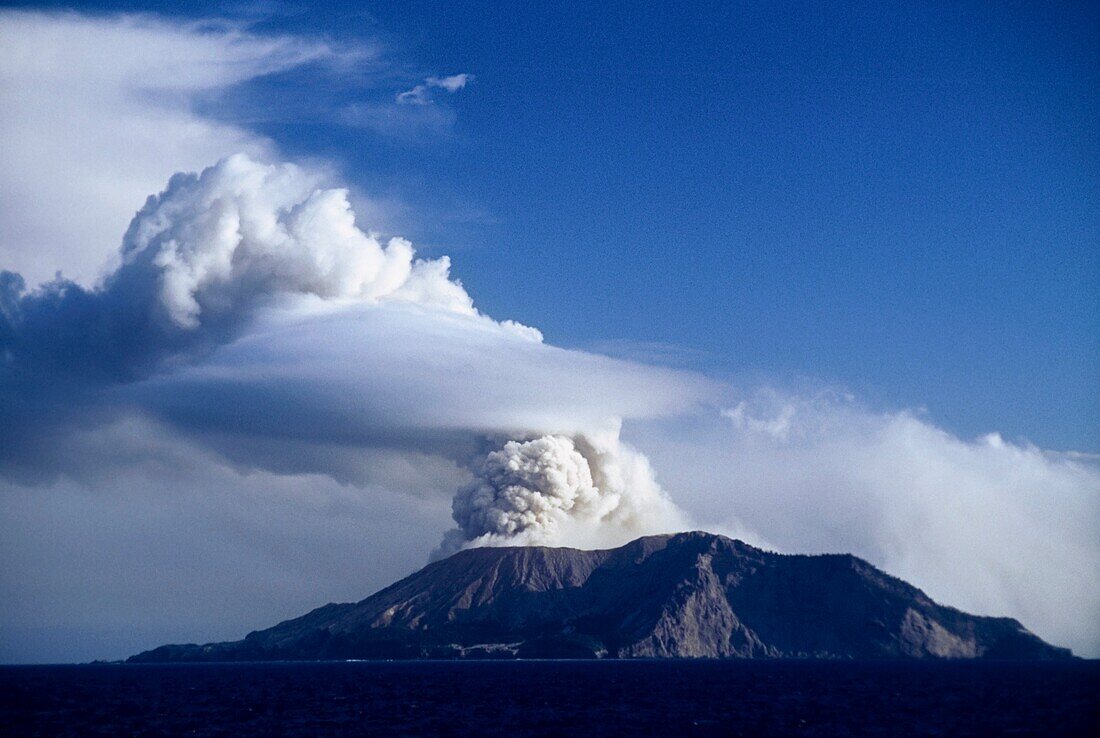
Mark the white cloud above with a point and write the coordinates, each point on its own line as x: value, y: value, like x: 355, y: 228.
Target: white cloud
x: 97, y: 112
x: 396, y: 368
x: 421, y: 94
x: 453, y: 83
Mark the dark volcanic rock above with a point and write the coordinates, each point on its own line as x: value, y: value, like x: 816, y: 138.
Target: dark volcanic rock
x: 690, y: 595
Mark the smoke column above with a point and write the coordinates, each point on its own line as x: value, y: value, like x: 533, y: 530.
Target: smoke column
x: 557, y: 489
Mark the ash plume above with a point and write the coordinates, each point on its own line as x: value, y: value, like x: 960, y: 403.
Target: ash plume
x: 559, y: 490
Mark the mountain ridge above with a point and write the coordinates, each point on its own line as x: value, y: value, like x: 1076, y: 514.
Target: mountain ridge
x: 684, y: 595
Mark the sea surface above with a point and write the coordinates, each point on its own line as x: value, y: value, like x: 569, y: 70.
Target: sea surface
x: 587, y: 698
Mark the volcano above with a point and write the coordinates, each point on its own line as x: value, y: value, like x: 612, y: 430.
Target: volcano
x: 688, y: 595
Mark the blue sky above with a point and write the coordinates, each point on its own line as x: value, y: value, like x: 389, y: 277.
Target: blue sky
x: 900, y: 200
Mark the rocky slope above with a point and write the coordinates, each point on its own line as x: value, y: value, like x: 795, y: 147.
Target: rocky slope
x: 690, y: 595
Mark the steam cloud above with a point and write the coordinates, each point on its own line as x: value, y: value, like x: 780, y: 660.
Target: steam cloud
x: 557, y: 489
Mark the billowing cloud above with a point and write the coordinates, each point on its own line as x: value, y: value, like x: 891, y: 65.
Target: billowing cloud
x: 96, y: 112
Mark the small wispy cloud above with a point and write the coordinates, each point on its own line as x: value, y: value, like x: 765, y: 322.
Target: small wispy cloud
x: 421, y: 94
x: 454, y: 83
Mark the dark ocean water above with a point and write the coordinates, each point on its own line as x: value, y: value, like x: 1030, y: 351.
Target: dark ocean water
x: 675, y: 698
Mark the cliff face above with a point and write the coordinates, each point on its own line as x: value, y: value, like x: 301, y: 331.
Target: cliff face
x: 690, y: 595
